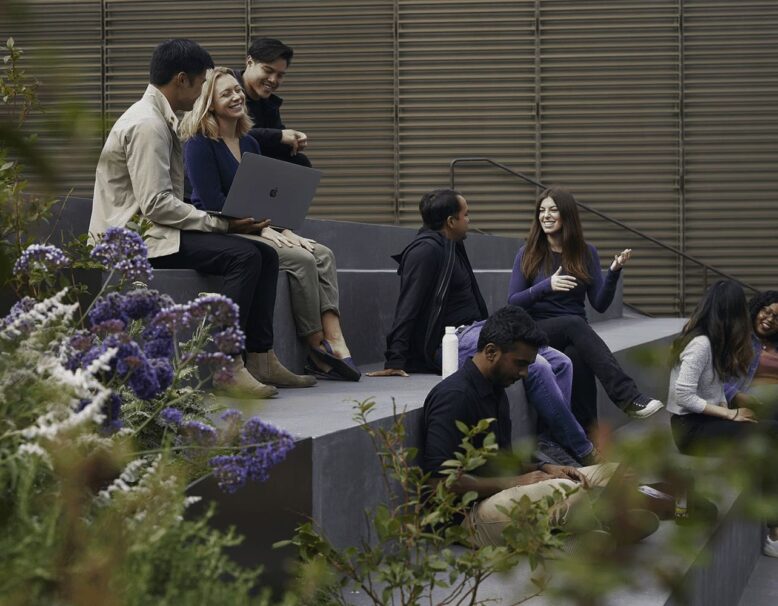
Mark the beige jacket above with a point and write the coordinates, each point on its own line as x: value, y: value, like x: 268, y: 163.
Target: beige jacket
x: 141, y: 169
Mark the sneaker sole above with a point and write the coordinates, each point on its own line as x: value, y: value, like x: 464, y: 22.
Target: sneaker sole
x: 649, y: 410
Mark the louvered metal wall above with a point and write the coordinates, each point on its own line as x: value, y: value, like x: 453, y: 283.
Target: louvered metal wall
x: 663, y: 114
x: 730, y: 52
x: 340, y: 92
x: 466, y: 87
x: 609, y: 128
x: 62, y: 47
x: 134, y: 27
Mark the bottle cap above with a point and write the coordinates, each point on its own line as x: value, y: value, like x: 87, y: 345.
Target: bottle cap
x: 450, y: 330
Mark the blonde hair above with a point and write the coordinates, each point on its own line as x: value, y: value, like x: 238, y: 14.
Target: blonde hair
x: 201, y: 120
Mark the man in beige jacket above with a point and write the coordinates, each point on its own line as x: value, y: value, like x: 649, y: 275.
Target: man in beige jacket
x: 141, y: 171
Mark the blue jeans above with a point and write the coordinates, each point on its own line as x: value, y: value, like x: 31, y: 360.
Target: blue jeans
x: 548, y: 387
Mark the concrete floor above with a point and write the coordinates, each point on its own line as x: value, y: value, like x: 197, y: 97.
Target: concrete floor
x: 762, y: 588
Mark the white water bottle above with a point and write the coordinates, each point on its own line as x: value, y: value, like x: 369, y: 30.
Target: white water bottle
x: 450, y: 350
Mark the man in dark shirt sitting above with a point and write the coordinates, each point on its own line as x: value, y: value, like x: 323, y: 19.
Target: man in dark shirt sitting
x: 266, y: 65
x: 507, y: 345
x: 437, y: 286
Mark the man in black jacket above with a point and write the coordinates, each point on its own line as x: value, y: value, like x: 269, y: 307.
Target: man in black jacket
x: 266, y: 65
x: 437, y: 286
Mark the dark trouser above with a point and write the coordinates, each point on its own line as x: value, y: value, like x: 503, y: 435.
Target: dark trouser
x: 250, y: 271
x: 591, y: 358
x: 696, y: 433
x: 693, y: 431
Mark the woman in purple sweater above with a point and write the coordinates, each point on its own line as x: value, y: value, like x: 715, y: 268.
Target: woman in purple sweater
x: 553, y: 273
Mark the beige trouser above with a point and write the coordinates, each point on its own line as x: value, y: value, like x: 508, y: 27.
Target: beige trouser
x: 575, y: 513
x: 313, y: 283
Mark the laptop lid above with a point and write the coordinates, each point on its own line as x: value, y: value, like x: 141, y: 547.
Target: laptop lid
x: 266, y: 188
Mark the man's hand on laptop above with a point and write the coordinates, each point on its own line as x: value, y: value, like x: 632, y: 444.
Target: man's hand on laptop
x: 294, y: 139
x: 248, y: 225
x: 388, y: 372
x: 296, y: 240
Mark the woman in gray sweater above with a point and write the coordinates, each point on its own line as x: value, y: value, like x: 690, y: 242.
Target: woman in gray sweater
x: 715, y: 347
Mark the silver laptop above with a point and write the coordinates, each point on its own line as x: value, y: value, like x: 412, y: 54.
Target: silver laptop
x: 266, y: 188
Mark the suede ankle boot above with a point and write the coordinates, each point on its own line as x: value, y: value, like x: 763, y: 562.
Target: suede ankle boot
x: 242, y: 384
x: 267, y: 368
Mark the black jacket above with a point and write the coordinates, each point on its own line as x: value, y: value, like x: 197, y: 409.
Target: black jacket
x: 266, y: 116
x: 425, y: 271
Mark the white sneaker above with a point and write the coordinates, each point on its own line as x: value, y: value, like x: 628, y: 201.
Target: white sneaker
x: 770, y: 547
x: 643, y: 407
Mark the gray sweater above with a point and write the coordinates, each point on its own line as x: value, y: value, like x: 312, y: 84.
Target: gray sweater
x: 694, y: 382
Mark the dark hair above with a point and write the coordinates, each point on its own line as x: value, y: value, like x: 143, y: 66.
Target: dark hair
x: 268, y: 50
x: 759, y: 301
x: 537, y: 252
x: 437, y: 206
x: 508, y: 325
x: 721, y: 316
x: 178, y: 55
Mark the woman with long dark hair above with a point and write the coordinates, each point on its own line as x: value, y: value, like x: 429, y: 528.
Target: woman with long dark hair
x: 763, y: 370
x: 715, y: 346
x: 554, y: 272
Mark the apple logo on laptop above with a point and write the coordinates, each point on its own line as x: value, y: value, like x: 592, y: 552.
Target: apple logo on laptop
x: 274, y: 192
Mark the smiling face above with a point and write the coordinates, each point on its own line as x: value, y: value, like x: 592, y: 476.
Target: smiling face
x: 766, y: 322
x: 549, y: 217
x: 229, y: 100
x: 263, y: 79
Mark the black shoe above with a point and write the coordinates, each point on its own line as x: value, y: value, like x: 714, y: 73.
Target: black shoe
x: 643, y: 407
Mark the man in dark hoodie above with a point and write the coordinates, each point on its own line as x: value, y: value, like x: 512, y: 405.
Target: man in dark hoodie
x: 266, y: 65
x: 437, y: 286
x: 438, y: 289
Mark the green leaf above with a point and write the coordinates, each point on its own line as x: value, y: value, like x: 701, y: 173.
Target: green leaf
x: 10, y: 43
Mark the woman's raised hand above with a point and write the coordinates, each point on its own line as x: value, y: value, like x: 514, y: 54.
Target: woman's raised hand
x: 560, y: 283
x: 620, y: 260
x: 278, y: 239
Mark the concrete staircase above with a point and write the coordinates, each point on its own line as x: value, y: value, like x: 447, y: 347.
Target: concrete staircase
x: 333, y: 476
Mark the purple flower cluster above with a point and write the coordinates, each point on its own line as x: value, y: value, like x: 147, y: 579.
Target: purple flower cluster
x: 123, y: 250
x: 21, y: 307
x: 43, y: 257
x: 262, y: 446
x: 217, y: 310
x: 137, y: 304
x: 171, y: 417
x: 146, y: 377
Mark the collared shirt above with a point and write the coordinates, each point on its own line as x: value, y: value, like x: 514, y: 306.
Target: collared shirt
x: 465, y: 396
x: 141, y: 169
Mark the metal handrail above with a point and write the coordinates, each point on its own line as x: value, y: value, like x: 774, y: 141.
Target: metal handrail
x: 679, y: 253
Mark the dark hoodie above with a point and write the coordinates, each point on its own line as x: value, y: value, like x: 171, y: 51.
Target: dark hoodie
x: 425, y: 269
x: 266, y: 116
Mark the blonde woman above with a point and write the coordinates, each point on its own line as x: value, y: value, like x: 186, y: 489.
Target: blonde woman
x: 216, y: 136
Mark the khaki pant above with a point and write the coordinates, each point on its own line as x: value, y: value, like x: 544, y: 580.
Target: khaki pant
x: 313, y: 283
x: 575, y: 514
